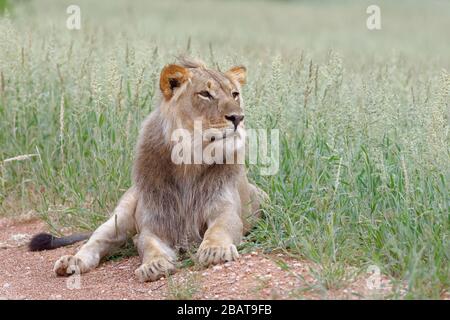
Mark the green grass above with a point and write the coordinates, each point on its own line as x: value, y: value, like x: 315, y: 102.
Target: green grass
x: 363, y: 117
x: 184, y: 288
x: 3, y: 6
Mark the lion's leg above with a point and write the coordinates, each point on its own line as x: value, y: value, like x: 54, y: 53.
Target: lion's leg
x: 109, y: 235
x: 158, y: 259
x: 251, y: 199
x: 223, y: 234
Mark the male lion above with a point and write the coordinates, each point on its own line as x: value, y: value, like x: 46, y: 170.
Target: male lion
x: 170, y: 206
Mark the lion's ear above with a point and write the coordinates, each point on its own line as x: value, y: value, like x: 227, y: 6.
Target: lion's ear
x: 238, y: 73
x: 172, y: 76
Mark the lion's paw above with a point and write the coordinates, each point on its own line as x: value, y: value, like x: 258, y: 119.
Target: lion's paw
x: 213, y: 254
x: 68, y: 265
x: 155, y: 269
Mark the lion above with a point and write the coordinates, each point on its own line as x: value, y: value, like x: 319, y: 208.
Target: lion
x: 173, y: 207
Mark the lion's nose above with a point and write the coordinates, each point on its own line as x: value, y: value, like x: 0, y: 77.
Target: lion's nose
x: 235, y: 118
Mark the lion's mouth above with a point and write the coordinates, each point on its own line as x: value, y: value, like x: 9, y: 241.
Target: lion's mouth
x: 224, y: 136
x: 214, y: 138
x: 219, y: 135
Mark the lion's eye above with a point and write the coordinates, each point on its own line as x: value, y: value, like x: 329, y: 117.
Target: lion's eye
x: 205, y: 94
x: 235, y: 95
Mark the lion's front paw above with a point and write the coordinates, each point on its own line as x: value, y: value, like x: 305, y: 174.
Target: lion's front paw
x: 155, y: 269
x: 213, y: 254
x: 68, y: 265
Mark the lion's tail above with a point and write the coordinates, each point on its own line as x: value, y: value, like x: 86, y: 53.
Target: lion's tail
x: 45, y: 241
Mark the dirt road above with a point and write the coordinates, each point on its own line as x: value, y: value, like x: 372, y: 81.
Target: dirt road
x: 28, y: 275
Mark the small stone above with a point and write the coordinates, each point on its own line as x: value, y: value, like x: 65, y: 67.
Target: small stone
x: 215, y: 268
x: 4, y: 245
x: 254, y: 253
x: 266, y: 277
x: 6, y: 285
x: 20, y: 238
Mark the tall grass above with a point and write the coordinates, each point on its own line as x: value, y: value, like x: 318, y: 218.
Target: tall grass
x: 364, y: 120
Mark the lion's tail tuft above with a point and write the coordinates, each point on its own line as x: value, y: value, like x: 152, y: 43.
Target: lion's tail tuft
x: 45, y: 241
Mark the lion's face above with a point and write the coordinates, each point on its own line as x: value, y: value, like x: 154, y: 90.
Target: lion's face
x: 198, y: 98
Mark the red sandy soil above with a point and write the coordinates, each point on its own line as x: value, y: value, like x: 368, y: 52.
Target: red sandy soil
x: 28, y: 275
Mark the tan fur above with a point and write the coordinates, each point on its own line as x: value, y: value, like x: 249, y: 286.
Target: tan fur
x: 173, y: 207
x: 172, y: 75
x: 238, y: 73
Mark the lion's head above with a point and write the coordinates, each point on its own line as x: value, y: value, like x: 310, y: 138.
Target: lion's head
x: 198, y: 98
